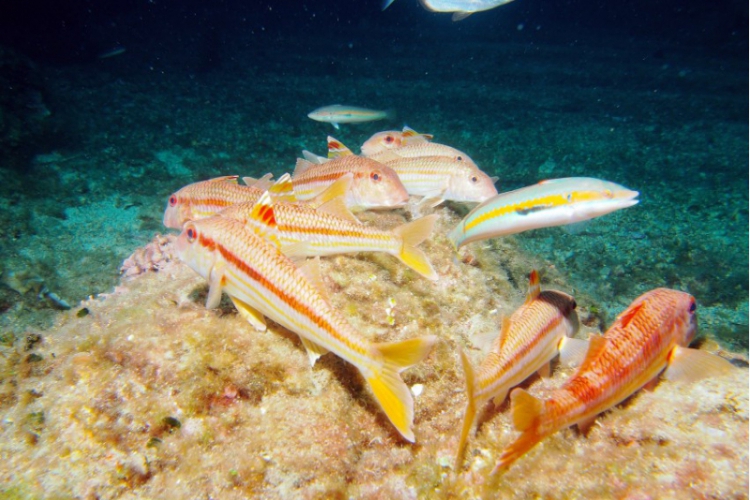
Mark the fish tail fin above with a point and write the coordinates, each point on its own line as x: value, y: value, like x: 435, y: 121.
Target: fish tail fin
x: 412, y: 234
x: 471, y: 406
x: 526, y: 410
x: 389, y: 388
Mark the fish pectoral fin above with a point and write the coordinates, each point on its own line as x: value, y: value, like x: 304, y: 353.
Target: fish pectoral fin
x: 335, y: 125
x: 215, y: 285
x: 297, y: 252
x: 311, y: 271
x: 431, y: 201
x: 314, y: 351
x: 688, y: 365
x: 389, y: 388
x: 572, y: 351
x: 250, y: 315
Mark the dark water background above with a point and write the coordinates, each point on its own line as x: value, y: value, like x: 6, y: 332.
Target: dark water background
x: 653, y: 95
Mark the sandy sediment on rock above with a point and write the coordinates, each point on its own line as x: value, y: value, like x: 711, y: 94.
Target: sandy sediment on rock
x: 144, y: 393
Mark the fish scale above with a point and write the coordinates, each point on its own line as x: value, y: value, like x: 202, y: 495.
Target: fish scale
x: 261, y: 280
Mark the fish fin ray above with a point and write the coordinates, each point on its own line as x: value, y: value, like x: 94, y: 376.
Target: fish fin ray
x: 412, y: 234
x: 215, y: 285
x: 314, y: 351
x: 525, y: 409
x: 302, y: 166
x: 534, y: 287
x: 572, y: 351
x: 690, y: 365
x: 471, y: 409
x: 250, y: 314
x: 336, y: 149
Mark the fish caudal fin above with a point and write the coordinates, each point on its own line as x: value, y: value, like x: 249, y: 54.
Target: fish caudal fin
x: 412, y: 234
x: 389, y: 389
x: 471, y: 407
x: 526, y: 410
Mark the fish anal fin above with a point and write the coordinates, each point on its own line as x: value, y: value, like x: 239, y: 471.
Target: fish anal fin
x: 389, y: 389
x: 572, y: 351
x: 250, y: 315
x: 314, y: 351
x: 525, y: 409
x: 534, y: 287
x: 689, y: 365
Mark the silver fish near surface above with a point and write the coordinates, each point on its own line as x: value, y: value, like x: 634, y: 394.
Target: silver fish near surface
x: 339, y: 113
x: 462, y: 8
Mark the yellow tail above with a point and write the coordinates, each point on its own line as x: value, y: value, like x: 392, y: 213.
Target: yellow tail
x: 412, y: 234
x: 471, y: 407
x: 526, y: 410
x: 389, y: 389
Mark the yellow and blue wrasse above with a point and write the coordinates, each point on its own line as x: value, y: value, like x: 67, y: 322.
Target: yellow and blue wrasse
x: 534, y: 334
x: 303, y: 231
x: 206, y: 198
x: 650, y: 335
x: 554, y: 202
x: 262, y: 281
x: 373, y: 186
x: 339, y: 113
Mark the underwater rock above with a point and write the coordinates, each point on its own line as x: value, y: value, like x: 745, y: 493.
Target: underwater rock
x: 151, y: 395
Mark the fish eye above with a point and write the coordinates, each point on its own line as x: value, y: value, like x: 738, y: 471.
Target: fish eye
x: 460, y: 158
x: 574, y: 304
x: 692, y: 307
x: 375, y: 176
x: 172, y: 200
x: 474, y: 179
x: 389, y: 139
x: 191, y: 233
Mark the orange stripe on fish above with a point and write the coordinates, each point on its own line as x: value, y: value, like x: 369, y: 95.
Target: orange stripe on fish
x: 260, y: 280
x: 529, y: 339
x: 649, y: 336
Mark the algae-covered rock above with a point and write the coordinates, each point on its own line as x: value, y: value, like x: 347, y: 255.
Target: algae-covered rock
x: 147, y: 394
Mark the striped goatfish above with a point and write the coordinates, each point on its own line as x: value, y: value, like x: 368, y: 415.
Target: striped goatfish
x: 391, y: 139
x: 554, y: 202
x: 303, y: 231
x: 339, y: 113
x: 374, y: 185
x: 261, y: 280
x: 206, y: 198
x: 650, y: 335
x: 530, y: 338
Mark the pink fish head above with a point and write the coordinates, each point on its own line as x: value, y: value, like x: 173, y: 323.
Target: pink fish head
x: 470, y: 184
x: 382, y: 141
x: 196, y: 246
x: 177, y: 212
x: 377, y: 186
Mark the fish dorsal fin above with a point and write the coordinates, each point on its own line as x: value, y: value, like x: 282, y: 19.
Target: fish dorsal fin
x: 534, y: 287
x: 502, y: 336
x: 283, y: 189
x: 313, y: 158
x: 628, y: 314
x: 225, y: 178
x: 411, y: 136
x: 459, y: 16
x: 302, y: 166
x: 264, y: 220
x: 310, y: 269
x: 336, y: 149
x: 597, y: 345
x: 263, y: 183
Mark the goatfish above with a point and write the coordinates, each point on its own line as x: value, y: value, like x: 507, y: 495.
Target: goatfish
x: 441, y: 178
x: 203, y: 199
x: 534, y: 334
x: 374, y: 185
x: 554, y: 202
x: 262, y: 281
x: 650, y: 335
x: 461, y: 8
x: 303, y: 231
x: 391, y: 139
x: 339, y: 113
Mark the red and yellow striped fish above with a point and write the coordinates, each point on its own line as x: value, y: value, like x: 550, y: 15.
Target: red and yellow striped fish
x: 649, y: 336
x: 374, y: 185
x: 529, y: 339
x: 303, y: 231
x: 261, y: 280
x: 393, y: 139
x: 206, y: 198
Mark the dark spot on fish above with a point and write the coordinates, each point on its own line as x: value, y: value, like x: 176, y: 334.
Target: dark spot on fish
x: 740, y: 363
x: 82, y: 312
x: 531, y: 210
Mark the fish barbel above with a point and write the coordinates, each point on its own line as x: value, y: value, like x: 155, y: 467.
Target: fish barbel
x: 261, y: 280
x: 650, y: 335
x: 529, y: 339
x: 554, y: 202
x: 339, y: 113
x: 374, y: 185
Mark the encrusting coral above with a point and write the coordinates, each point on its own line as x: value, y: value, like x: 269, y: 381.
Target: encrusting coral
x: 144, y: 393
